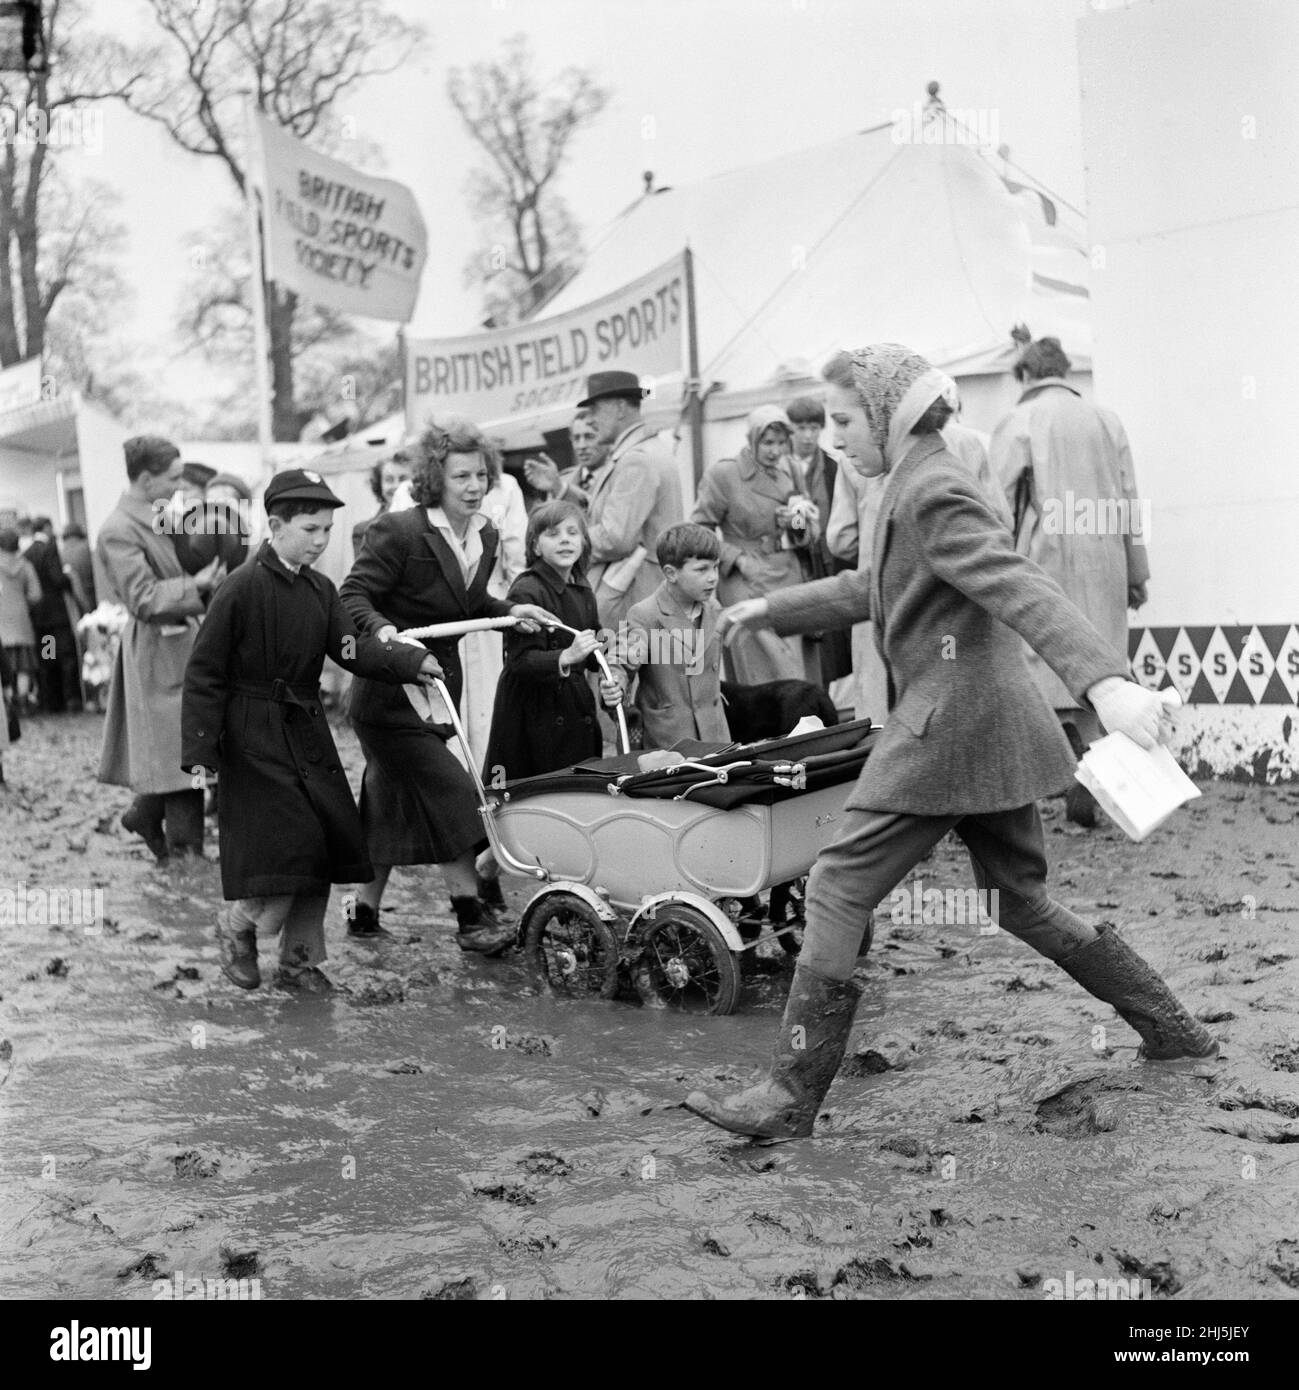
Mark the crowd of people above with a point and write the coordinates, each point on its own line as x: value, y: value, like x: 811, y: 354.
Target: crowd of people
x: 913, y: 538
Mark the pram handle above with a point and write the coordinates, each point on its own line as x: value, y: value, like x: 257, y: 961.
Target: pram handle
x: 467, y: 625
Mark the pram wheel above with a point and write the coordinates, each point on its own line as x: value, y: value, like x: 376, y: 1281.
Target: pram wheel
x: 571, y: 949
x: 683, y: 962
x: 786, y: 913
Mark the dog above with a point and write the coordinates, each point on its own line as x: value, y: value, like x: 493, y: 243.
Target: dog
x: 100, y: 633
x: 755, y: 712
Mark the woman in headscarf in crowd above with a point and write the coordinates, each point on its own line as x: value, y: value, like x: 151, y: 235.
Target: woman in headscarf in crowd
x: 758, y: 501
x: 385, y: 478
x: 970, y: 745
x: 430, y: 564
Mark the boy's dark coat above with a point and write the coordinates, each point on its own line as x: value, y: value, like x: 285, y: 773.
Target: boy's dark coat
x: 287, y: 817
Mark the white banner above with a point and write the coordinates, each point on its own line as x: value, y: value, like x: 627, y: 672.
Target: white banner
x: 534, y: 367
x: 338, y: 238
x: 20, y: 384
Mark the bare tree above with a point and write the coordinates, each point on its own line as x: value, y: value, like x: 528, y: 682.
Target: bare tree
x: 527, y: 134
x: 43, y: 110
x: 296, y: 58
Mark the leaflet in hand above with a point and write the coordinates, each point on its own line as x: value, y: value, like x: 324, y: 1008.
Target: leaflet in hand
x: 1137, y: 788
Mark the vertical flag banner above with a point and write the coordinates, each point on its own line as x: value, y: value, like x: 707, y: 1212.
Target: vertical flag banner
x: 335, y: 236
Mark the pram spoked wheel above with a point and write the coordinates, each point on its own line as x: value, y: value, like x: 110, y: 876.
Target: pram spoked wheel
x: 786, y: 912
x: 571, y: 948
x: 683, y: 962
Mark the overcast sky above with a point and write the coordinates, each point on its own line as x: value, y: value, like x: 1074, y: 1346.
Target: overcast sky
x: 724, y: 83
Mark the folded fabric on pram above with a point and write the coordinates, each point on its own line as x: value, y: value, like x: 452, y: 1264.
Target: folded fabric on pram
x: 733, y: 775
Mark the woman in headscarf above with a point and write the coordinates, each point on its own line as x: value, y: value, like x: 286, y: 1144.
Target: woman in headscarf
x: 759, y: 503
x: 970, y: 745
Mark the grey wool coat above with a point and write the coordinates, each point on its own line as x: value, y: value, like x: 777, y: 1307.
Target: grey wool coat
x: 139, y: 570
x: 680, y: 696
x: 968, y: 730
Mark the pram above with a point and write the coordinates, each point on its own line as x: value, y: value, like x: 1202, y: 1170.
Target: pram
x: 644, y: 872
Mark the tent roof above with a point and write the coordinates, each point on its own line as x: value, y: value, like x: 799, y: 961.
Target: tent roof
x: 861, y: 239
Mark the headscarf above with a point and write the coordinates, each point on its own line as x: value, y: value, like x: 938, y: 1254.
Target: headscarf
x: 761, y: 420
x: 895, y: 387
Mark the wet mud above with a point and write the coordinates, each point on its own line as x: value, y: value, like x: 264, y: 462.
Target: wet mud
x: 441, y: 1129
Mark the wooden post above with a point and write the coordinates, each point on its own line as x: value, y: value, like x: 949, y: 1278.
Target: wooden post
x: 696, y: 406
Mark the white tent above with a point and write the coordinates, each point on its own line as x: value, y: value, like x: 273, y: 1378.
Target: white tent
x: 866, y: 238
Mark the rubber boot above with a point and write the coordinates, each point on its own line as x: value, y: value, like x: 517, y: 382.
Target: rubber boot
x: 238, y: 945
x: 1111, y: 970
x: 784, y: 1104
x: 183, y: 817
x: 480, y: 928
x: 1079, y: 803
x: 363, y: 923
x: 144, y: 818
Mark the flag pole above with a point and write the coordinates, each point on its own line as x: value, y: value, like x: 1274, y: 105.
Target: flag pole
x: 261, y: 339
x: 692, y: 364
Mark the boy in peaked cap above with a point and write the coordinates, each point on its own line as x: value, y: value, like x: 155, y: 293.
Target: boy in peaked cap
x: 251, y: 712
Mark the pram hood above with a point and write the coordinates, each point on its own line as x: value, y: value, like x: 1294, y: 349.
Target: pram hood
x: 755, y: 774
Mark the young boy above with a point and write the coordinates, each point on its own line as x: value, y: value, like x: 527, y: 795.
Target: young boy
x: 251, y: 711
x: 672, y: 645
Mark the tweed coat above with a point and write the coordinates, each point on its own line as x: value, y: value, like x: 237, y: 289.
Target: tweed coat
x: 950, y: 598
x: 681, y: 698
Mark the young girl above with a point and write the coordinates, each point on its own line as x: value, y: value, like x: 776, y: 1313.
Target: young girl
x: 544, y: 717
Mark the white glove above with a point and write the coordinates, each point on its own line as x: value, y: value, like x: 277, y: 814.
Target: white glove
x: 1125, y: 707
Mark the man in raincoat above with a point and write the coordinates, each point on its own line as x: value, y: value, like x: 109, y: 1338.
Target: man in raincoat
x: 138, y: 564
x: 1066, y: 470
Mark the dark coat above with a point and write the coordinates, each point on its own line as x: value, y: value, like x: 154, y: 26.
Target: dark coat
x: 407, y: 575
x: 968, y: 730
x: 287, y: 818
x: 50, y: 611
x: 542, y: 720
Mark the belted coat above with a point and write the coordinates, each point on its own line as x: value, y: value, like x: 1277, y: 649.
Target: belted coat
x: 251, y: 709
x: 138, y: 568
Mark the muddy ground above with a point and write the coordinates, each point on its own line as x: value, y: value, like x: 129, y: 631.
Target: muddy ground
x: 158, y: 1121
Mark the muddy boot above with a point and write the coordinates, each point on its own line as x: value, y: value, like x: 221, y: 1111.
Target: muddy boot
x: 784, y: 1104
x: 1080, y: 806
x: 303, y: 979
x: 480, y: 928
x: 144, y: 818
x: 363, y: 923
x: 238, y: 951
x: 489, y: 892
x: 1111, y: 970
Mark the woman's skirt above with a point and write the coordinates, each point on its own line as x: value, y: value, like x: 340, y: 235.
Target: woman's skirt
x: 418, y: 805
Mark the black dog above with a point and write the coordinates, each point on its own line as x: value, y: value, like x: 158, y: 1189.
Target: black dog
x: 772, y: 710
